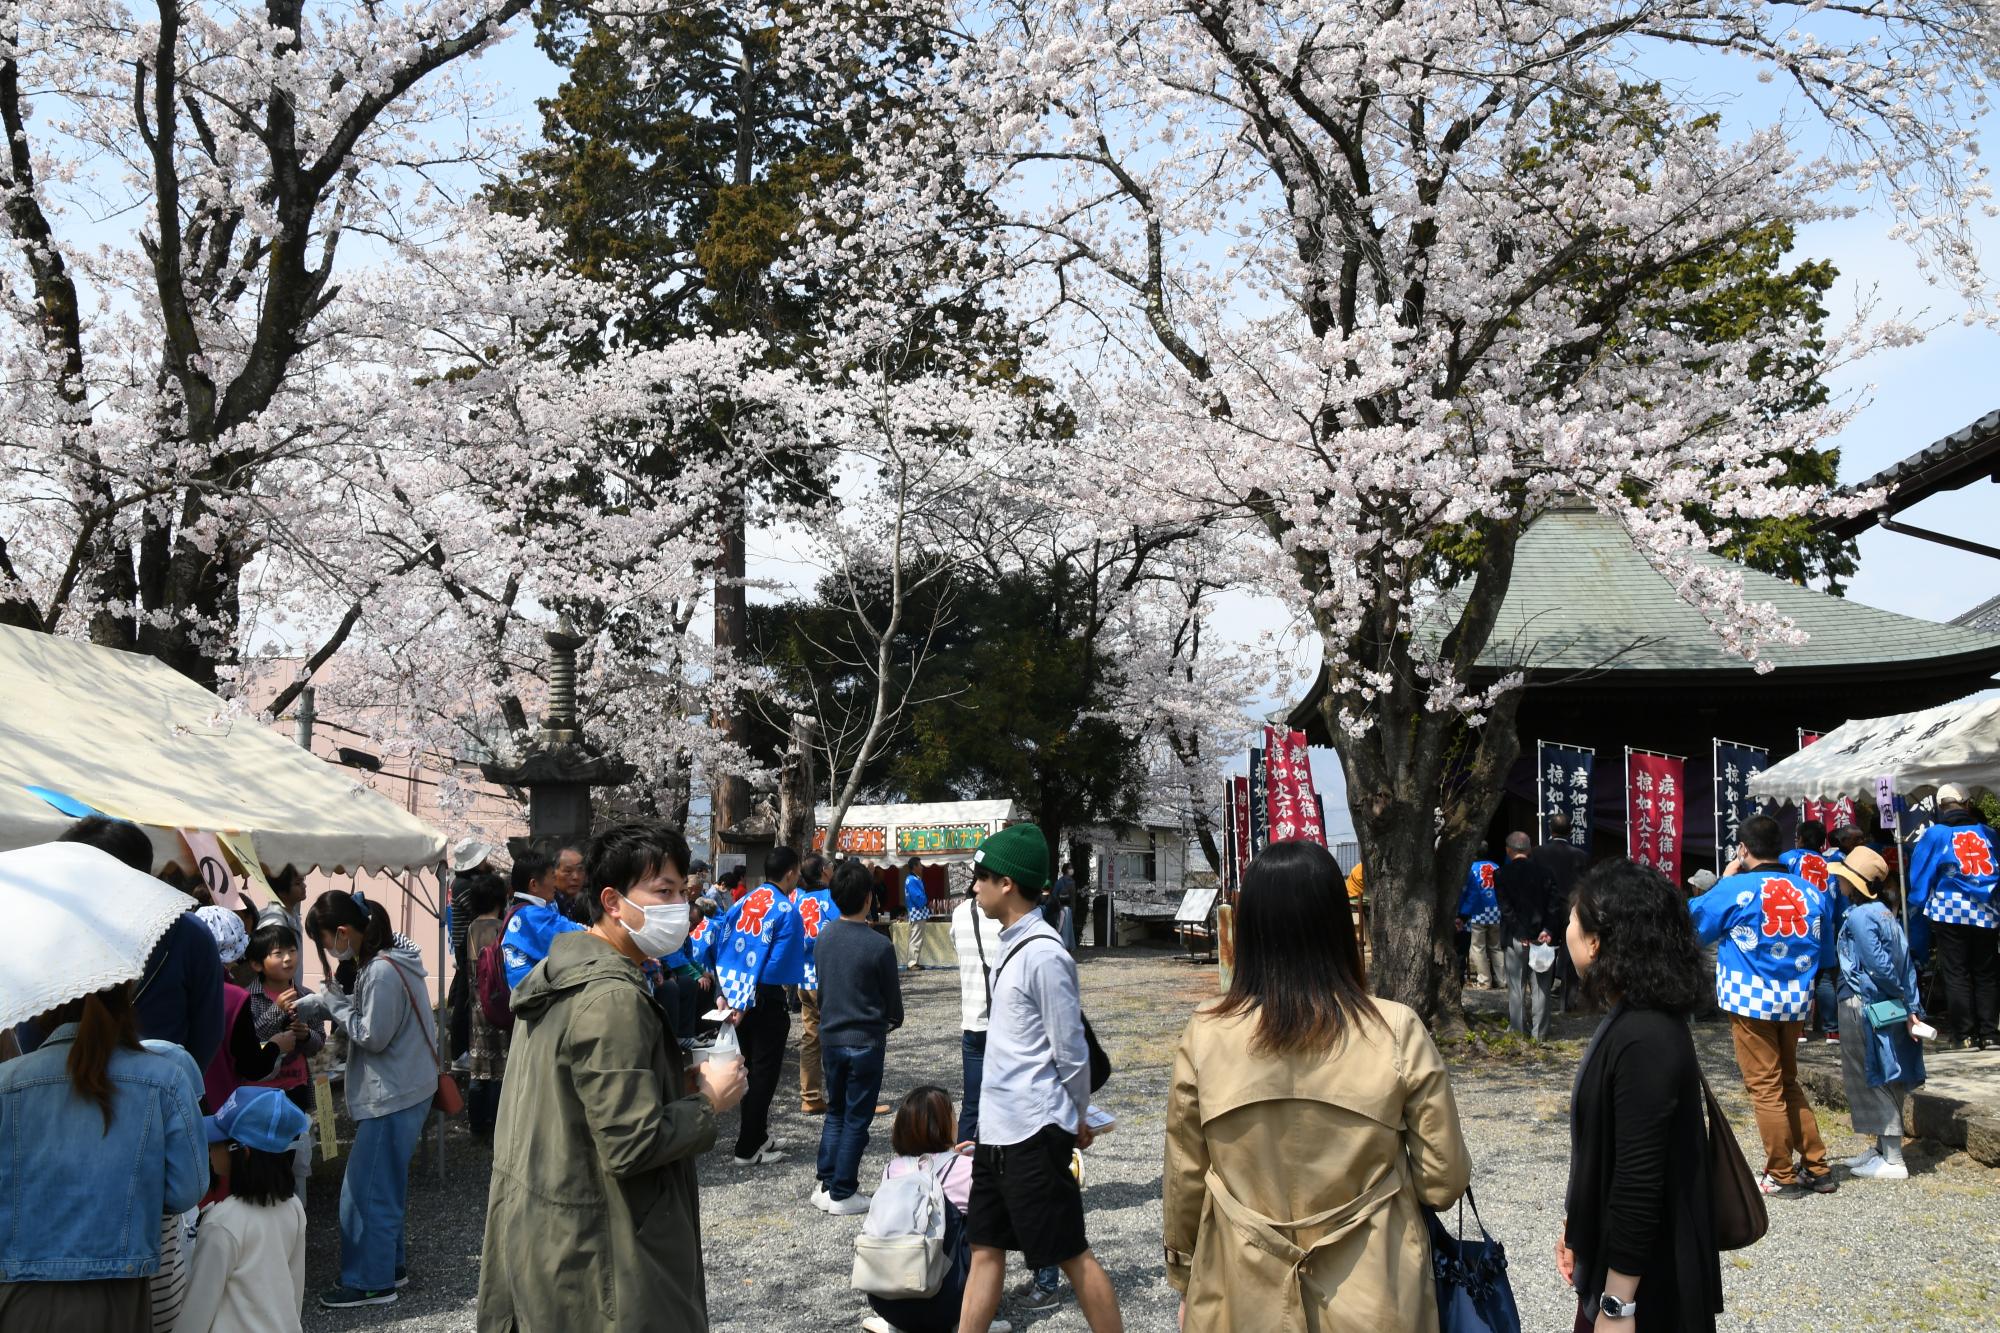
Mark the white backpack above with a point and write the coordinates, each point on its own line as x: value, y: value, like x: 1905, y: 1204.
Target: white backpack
x: 900, y: 1251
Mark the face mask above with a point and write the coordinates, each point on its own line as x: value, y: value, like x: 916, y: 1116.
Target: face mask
x: 665, y: 930
x: 339, y: 954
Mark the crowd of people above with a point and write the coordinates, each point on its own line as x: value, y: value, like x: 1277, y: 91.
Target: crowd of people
x: 613, y: 1003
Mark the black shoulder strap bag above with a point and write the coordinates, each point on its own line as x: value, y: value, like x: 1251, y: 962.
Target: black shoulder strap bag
x: 1100, y: 1063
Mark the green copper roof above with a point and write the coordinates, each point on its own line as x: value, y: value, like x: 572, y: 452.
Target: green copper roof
x: 1583, y: 599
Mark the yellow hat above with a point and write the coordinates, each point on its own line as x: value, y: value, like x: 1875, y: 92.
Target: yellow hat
x: 1865, y: 869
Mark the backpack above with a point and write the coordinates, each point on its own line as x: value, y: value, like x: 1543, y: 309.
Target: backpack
x: 489, y: 981
x: 900, y: 1251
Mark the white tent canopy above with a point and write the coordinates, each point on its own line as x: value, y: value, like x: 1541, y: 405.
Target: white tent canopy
x: 1919, y: 752
x: 131, y: 737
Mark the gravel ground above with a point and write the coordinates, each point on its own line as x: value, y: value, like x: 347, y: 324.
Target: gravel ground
x: 1913, y: 1255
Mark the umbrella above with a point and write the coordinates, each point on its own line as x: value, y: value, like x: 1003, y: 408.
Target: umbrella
x: 77, y: 921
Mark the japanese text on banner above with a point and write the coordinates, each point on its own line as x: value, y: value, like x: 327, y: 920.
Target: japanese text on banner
x: 1655, y: 818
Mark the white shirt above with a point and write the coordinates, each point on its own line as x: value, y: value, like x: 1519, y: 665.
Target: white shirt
x: 249, y: 1271
x: 1037, y: 1070
x: 971, y: 970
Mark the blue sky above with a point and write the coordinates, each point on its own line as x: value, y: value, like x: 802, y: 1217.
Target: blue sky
x: 1912, y: 396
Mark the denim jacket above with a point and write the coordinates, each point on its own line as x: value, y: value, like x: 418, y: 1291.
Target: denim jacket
x: 79, y: 1201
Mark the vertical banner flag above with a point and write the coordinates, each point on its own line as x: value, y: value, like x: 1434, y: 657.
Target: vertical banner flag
x: 1228, y: 876
x: 1260, y: 796
x: 1562, y: 781
x: 1241, y: 788
x: 1736, y: 767
x: 1312, y: 814
x: 1830, y: 814
x: 1291, y: 811
x: 1654, y: 819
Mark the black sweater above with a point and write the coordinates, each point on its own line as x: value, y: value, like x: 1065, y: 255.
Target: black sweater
x: 860, y: 991
x: 1639, y: 1192
x: 1529, y: 903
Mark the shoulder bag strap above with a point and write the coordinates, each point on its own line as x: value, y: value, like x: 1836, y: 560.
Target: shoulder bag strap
x: 422, y: 1031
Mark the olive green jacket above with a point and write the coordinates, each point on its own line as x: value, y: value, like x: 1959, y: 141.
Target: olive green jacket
x: 593, y: 1221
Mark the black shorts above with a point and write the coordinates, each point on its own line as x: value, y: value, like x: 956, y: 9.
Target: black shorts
x: 1024, y: 1198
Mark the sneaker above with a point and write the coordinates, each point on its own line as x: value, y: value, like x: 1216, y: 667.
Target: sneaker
x: 347, y: 1298
x: 764, y: 1156
x: 1833, y: 1037
x: 875, y: 1323
x: 1882, y: 1169
x: 1856, y: 1163
x: 820, y: 1198
x: 1030, y: 1296
x: 402, y: 1277
x: 1803, y: 1039
x: 1772, y: 1188
x: 1824, y: 1183
x: 851, y: 1206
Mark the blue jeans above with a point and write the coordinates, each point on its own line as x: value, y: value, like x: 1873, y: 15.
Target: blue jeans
x: 373, y: 1194
x: 853, y: 1081
x: 972, y: 1063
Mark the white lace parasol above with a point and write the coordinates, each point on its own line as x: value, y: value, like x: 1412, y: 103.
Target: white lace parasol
x: 74, y: 920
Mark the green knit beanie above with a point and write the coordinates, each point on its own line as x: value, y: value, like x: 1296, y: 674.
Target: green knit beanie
x: 1018, y: 852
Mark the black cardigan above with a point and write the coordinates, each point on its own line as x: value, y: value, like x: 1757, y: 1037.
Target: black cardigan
x: 1639, y: 1192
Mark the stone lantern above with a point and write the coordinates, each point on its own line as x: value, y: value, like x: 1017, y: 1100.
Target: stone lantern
x: 560, y: 767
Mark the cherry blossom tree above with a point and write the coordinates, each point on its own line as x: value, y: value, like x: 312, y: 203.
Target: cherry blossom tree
x: 1380, y: 280
x: 185, y: 186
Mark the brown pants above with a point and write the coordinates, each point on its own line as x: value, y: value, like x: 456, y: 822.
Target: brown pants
x: 812, y: 1076
x: 1768, y: 1054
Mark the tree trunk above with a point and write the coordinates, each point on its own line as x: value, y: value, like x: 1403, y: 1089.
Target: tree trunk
x: 729, y: 793
x: 797, y: 787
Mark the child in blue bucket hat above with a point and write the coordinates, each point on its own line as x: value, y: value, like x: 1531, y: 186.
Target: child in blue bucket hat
x: 249, y: 1273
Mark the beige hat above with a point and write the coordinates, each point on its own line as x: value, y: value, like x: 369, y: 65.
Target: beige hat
x: 1865, y: 869
x: 1951, y: 791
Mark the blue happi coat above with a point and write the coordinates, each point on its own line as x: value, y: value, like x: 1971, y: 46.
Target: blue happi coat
x: 1953, y: 872
x: 525, y: 942
x: 1477, y: 902
x: 816, y: 909
x: 1767, y: 925
x: 1875, y: 965
x: 760, y: 945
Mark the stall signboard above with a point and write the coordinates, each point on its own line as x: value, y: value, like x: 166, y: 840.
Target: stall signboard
x: 855, y: 841
x: 947, y: 838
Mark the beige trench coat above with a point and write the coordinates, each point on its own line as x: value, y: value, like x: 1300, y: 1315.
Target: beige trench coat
x: 1293, y: 1182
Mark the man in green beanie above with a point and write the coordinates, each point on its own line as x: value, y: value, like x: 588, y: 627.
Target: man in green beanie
x: 1034, y: 1091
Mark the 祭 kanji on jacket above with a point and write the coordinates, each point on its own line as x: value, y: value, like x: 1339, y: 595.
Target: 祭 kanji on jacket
x: 761, y: 945
x: 1768, y: 926
x: 1952, y: 872
x: 816, y: 910
x: 1477, y: 902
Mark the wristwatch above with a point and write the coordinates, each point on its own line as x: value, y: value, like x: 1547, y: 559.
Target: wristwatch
x: 1610, y: 1305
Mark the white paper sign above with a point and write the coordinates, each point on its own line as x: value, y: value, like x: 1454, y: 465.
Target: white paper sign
x: 1885, y: 800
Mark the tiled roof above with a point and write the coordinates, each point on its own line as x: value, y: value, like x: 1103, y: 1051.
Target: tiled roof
x: 1582, y: 598
x: 1962, y: 457
x: 1984, y: 617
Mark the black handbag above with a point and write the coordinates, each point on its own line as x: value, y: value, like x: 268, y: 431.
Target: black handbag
x: 1736, y: 1205
x: 1473, y: 1294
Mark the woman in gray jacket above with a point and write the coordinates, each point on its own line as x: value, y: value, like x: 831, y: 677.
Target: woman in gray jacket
x: 392, y: 1075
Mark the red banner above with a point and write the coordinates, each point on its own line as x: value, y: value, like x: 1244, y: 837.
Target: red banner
x: 1242, y: 786
x: 1655, y: 817
x: 1293, y: 813
x: 1830, y: 814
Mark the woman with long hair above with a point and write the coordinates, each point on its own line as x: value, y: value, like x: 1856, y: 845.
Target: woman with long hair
x: 1307, y: 1126
x: 392, y: 1075
x: 1638, y: 1246
x: 99, y: 1137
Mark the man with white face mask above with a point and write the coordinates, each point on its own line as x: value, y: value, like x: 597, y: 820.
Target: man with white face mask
x: 601, y: 1120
